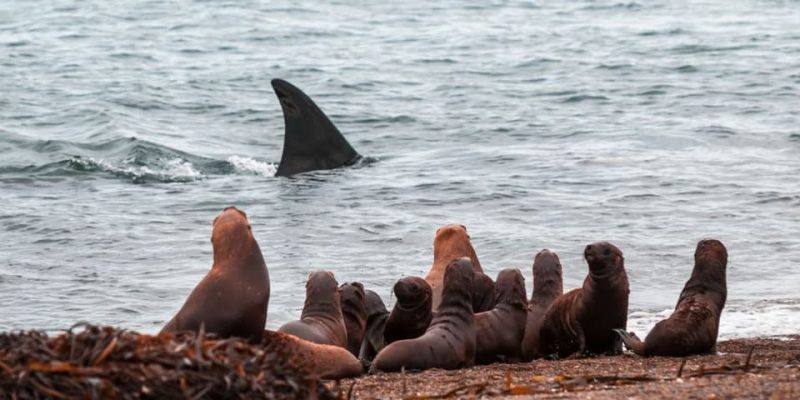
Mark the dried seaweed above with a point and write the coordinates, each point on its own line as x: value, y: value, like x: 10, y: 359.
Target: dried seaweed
x: 93, y: 362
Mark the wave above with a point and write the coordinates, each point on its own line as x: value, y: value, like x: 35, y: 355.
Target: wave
x: 130, y: 159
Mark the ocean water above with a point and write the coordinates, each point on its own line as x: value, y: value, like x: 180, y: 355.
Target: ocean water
x: 126, y: 127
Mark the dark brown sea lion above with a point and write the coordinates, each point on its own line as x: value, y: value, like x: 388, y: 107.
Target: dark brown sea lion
x: 321, y: 321
x: 449, y: 342
x: 483, y: 293
x: 377, y: 314
x: 329, y: 362
x: 692, y: 328
x: 354, y: 311
x: 449, y: 243
x: 499, y: 332
x: 583, y: 320
x: 547, y: 285
x: 232, y: 298
x: 411, y: 315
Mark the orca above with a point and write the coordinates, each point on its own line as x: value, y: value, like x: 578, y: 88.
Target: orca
x: 311, y: 142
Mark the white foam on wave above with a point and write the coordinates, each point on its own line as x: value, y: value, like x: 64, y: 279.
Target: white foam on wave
x: 251, y: 166
x: 172, y: 170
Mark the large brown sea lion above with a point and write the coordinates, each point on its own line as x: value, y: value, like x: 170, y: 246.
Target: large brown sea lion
x: 329, y: 362
x: 354, y: 311
x: 377, y: 314
x: 321, y: 321
x: 583, y: 320
x: 547, y: 285
x: 411, y: 315
x: 449, y: 243
x: 499, y: 332
x: 449, y: 342
x: 232, y: 298
x: 692, y: 328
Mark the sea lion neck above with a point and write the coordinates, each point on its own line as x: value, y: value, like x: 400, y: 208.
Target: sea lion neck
x: 234, y: 242
x: 322, y: 296
x: 547, y: 276
x: 457, y: 293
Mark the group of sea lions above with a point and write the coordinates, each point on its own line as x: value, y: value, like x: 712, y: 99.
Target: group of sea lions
x: 456, y: 316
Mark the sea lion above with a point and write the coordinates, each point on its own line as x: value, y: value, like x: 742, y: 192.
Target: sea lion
x: 329, y: 362
x: 583, y: 320
x: 310, y: 141
x: 321, y: 321
x: 231, y: 300
x: 692, y: 328
x: 547, y: 285
x: 377, y: 314
x: 449, y: 342
x: 499, y: 332
x: 354, y: 312
x: 450, y: 242
x: 483, y: 293
x: 411, y: 315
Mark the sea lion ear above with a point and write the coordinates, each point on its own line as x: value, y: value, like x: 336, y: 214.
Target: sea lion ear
x: 463, y: 227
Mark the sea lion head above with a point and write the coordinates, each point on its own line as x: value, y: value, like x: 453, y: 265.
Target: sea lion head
x: 353, y: 296
x: 412, y: 292
x: 546, y: 266
x: 453, y: 241
x: 510, y: 288
x: 231, y: 234
x: 321, y: 283
x: 604, y: 258
x: 711, y: 252
x: 458, y: 281
x: 374, y: 303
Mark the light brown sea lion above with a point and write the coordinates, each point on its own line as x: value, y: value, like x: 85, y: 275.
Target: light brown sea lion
x: 449, y: 243
x: 321, y: 321
x: 411, y: 315
x: 692, y: 328
x: 547, y: 285
x: 377, y: 314
x: 354, y: 311
x: 449, y: 342
x: 329, y: 362
x: 499, y: 332
x: 232, y: 298
x: 583, y: 320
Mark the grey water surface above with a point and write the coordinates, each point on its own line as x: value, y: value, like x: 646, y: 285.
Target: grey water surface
x: 126, y: 126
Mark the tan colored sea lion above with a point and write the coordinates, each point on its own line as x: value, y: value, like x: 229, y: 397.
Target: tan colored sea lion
x: 232, y: 298
x: 692, y: 328
x: 377, y: 314
x: 449, y: 243
x: 499, y: 332
x: 321, y: 321
x: 354, y: 311
x: 411, y: 315
x: 449, y: 342
x: 583, y: 320
x: 547, y: 285
x: 329, y: 362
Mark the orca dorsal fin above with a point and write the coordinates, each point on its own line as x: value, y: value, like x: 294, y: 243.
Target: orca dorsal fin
x: 311, y: 141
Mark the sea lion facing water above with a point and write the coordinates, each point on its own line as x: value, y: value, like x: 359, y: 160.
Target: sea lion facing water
x: 692, y: 328
x: 232, y: 298
x: 499, y: 332
x: 449, y: 243
x: 547, y: 286
x: 329, y: 362
x: 411, y: 315
x: 377, y: 314
x: 583, y: 320
x: 321, y: 321
x: 354, y: 311
x: 483, y: 293
x: 449, y: 342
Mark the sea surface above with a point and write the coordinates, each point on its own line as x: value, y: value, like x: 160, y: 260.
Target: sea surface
x: 127, y: 126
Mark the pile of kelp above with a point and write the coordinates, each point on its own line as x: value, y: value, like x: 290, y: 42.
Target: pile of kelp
x: 93, y: 362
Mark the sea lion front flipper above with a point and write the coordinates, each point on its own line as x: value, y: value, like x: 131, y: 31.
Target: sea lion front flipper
x: 632, y: 342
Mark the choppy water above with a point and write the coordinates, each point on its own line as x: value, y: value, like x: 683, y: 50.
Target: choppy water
x: 126, y: 126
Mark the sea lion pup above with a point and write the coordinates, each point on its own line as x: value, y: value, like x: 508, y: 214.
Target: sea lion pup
x: 411, y: 315
x: 449, y: 243
x: 377, y: 314
x: 692, y: 327
x: 499, y: 332
x: 329, y: 362
x: 321, y: 321
x: 354, y: 312
x: 449, y: 342
x: 583, y: 320
x: 232, y: 298
x: 547, y: 285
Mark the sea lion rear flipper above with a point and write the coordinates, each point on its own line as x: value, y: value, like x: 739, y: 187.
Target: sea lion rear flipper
x: 311, y: 141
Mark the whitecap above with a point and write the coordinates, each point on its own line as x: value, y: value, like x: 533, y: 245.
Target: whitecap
x: 250, y: 166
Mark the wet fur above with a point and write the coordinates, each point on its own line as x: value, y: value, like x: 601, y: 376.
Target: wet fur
x: 449, y: 243
x: 547, y: 286
x: 321, y: 321
x: 354, y: 311
x: 411, y: 315
x: 499, y: 332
